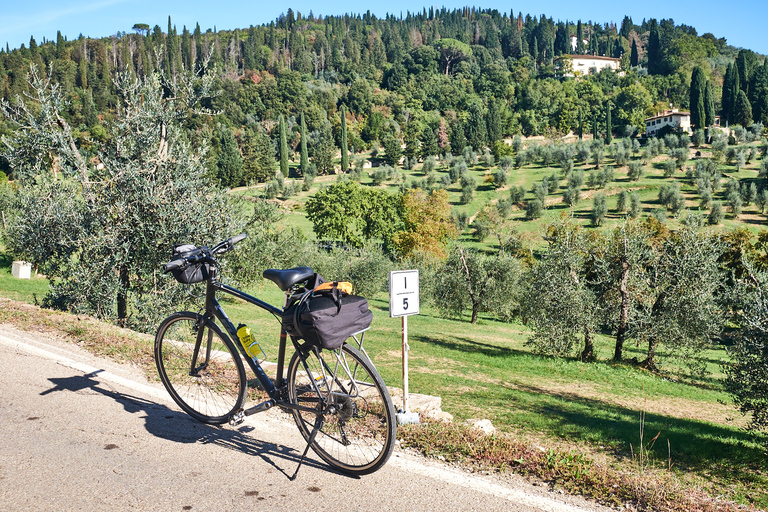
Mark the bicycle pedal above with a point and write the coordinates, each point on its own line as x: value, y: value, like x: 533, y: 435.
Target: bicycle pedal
x: 237, y: 418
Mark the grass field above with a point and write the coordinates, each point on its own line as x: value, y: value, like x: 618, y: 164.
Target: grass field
x: 647, y: 187
x: 666, y: 423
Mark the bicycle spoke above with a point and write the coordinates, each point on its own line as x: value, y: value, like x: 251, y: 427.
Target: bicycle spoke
x: 203, y: 374
x: 358, y: 428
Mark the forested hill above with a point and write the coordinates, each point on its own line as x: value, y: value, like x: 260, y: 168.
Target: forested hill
x: 439, y: 77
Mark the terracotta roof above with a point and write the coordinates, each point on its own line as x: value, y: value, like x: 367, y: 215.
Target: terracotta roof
x: 667, y: 113
x: 593, y: 57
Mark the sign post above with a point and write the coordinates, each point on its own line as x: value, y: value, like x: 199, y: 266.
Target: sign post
x: 404, y: 301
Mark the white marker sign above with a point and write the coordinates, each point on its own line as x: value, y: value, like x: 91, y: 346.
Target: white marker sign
x: 403, y: 293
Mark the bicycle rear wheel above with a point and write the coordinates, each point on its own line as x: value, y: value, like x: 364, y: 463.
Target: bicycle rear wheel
x: 358, y: 418
x: 200, y: 367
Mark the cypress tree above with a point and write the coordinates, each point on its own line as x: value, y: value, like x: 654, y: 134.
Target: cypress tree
x: 746, y: 62
x: 594, y: 128
x: 229, y: 162
x: 344, y: 154
x: 608, y: 124
x: 429, y: 145
x: 494, y: 122
x: 734, y: 92
x: 579, y: 38
x: 654, y: 48
x: 283, y: 148
x: 698, y: 109
x: 634, y: 57
x: 742, y: 110
x: 758, y: 94
x: 458, y: 138
x: 477, y: 134
x: 61, y: 47
x: 304, y: 165
x: 730, y: 86
x: 709, y: 105
x: 258, y: 157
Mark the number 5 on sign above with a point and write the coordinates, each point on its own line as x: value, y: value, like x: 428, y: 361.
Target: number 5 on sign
x: 403, y: 293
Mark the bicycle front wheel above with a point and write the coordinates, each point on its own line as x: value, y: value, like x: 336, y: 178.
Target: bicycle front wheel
x: 200, y: 367
x: 358, y: 428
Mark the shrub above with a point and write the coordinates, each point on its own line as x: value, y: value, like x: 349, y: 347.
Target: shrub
x: 747, y: 377
x: 499, y: 178
x: 599, y: 209
x: 716, y: 214
x: 669, y: 167
x: 516, y: 194
x: 534, y: 209
x: 571, y: 196
x: 635, y: 171
x: 429, y: 165
x: 622, y: 203
x: 635, y: 207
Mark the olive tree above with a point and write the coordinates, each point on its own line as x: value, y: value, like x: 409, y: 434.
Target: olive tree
x: 99, y: 224
x: 620, y: 278
x: 557, y: 302
x: 471, y: 280
x: 747, y: 372
x: 680, y: 309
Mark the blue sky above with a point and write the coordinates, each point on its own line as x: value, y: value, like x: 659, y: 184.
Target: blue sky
x: 741, y: 22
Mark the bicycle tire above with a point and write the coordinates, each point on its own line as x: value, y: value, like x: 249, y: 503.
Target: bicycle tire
x: 217, y: 386
x: 359, y: 423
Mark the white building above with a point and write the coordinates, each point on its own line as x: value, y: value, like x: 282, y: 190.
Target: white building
x: 581, y: 65
x: 672, y: 118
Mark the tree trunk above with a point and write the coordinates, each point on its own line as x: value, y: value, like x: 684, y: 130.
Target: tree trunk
x: 622, y: 330
x: 649, y: 363
x: 588, y: 354
x: 475, y: 310
x: 122, y: 297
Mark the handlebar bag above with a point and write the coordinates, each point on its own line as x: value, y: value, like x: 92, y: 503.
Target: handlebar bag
x: 195, y: 273
x: 327, y: 316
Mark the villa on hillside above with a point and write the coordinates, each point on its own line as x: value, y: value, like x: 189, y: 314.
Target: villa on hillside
x: 581, y: 65
x: 672, y: 118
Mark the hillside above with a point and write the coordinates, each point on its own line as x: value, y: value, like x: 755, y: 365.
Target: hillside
x: 439, y: 79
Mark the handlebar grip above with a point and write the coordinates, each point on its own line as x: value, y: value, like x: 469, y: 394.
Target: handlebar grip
x: 172, y: 265
x: 238, y: 238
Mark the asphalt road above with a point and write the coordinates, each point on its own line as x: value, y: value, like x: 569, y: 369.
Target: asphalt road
x: 83, y: 433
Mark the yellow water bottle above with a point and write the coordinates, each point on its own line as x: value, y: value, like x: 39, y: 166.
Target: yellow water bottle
x: 251, y: 346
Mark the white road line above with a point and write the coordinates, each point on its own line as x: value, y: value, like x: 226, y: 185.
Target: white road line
x: 98, y: 373
x: 454, y: 477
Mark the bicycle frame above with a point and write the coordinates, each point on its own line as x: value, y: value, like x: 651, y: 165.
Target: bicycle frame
x: 275, y: 390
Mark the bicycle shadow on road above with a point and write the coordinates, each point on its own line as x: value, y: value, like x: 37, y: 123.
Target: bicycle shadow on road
x: 178, y: 427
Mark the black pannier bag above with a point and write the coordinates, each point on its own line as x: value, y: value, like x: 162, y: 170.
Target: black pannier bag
x: 326, y: 317
x: 196, y: 273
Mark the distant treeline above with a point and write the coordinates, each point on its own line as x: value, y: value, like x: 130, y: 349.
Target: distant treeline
x: 462, y: 77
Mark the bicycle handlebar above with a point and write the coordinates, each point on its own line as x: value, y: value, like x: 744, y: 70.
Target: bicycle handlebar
x: 204, y: 254
x: 226, y: 245
x: 172, y: 265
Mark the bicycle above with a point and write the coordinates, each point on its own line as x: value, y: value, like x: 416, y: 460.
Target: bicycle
x: 337, y: 398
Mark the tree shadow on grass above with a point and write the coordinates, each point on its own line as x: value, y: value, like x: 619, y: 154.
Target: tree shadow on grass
x: 471, y: 346
x: 179, y: 427
x: 6, y: 261
x: 694, y: 445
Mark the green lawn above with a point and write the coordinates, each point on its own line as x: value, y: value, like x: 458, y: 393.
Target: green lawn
x: 25, y: 290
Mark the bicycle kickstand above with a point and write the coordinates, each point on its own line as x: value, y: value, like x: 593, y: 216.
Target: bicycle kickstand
x: 318, y: 425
